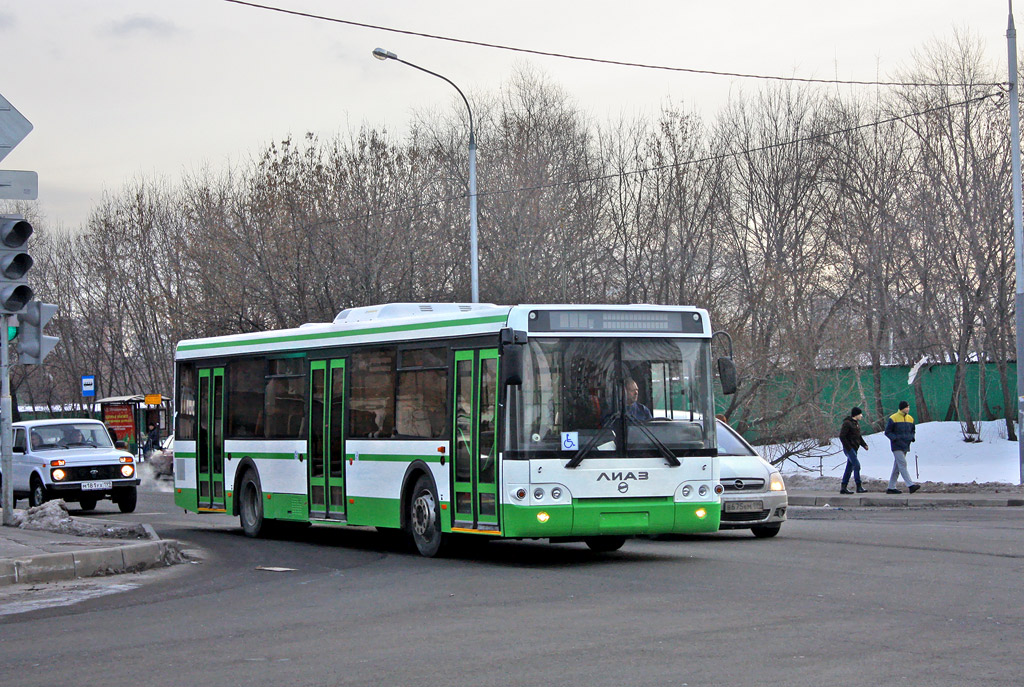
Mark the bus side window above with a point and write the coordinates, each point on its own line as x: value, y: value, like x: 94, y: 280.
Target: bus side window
x: 372, y: 394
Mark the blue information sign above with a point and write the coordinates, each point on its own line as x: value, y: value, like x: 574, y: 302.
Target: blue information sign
x: 88, y: 385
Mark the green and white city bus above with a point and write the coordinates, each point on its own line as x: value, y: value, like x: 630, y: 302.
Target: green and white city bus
x: 586, y: 423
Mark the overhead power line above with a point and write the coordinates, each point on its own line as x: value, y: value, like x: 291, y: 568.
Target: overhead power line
x: 658, y: 168
x: 597, y: 60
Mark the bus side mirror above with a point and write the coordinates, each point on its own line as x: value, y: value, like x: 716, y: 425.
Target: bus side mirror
x: 727, y: 375
x: 512, y: 343
x: 512, y: 366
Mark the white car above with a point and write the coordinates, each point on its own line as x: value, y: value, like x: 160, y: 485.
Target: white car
x: 74, y: 460
x: 755, y: 494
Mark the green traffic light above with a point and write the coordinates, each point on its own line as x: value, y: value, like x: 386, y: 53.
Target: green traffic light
x: 12, y: 333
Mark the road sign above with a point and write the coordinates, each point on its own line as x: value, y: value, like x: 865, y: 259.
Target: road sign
x: 13, y: 127
x: 88, y: 385
x: 19, y: 185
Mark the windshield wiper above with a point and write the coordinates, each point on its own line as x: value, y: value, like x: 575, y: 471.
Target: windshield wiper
x: 584, y: 450
x: 665, y: 451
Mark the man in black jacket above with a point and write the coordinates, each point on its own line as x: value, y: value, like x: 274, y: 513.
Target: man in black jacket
x: 852, y: 439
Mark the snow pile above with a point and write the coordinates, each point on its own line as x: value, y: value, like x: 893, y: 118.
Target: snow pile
x: 53, y: 516
x: 939, y: 455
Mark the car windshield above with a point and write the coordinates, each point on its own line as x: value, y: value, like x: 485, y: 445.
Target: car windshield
x: 729, y: 444
x: 617, y: 396
x: 69, y: 435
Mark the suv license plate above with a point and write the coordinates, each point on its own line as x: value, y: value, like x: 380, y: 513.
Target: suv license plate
x: 742, y: 506
x: 95, y: 486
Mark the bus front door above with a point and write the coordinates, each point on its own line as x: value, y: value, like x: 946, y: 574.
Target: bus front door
x: 474, y: 435
x: 210, y: 444
x: 326, y: 448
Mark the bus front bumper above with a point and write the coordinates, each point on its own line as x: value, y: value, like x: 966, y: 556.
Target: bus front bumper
x: 596, y: 517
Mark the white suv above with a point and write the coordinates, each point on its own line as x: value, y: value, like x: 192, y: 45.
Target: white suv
x: 74, y: 460
x: 755, y: 495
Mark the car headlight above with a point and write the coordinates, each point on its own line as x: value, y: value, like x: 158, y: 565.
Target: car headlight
x: 58, y: 475
x: 775, y: 482
x: 127, y: 470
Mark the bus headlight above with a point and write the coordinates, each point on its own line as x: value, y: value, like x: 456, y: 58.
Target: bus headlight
x: 703, y: 490
x: 543, y: 517
x: 700, y: 513
x: 538, y: 493
x: 687, y: 490
x: 127, y: 470
x: 556, y: 493
x: 520, y: 493
x: 775, y: 482
x: 58, y: 475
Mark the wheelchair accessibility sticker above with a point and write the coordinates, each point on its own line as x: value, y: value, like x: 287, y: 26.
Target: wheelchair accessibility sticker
x: 570, y: 441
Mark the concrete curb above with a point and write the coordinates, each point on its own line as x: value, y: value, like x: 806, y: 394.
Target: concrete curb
x: 903, y: 500
x: 52, y: 567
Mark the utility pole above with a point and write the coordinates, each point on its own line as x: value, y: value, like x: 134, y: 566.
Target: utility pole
x: 1018, y: 234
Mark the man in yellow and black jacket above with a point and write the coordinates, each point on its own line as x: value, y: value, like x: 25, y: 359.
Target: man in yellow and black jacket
x: 901, y: 432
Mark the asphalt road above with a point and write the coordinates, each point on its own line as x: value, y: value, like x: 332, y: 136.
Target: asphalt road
x: 852, y: 597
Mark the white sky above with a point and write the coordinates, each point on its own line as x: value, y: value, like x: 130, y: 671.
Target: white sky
x: 119, y: 89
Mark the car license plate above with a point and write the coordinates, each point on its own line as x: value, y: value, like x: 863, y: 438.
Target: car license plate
x: 742, y: 506
x: 95, y: 486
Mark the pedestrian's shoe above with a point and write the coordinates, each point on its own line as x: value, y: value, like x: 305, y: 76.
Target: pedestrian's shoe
x: 844, y: 490
x: 861, y: 490
x: 893, y: 491
x: 913, y: 488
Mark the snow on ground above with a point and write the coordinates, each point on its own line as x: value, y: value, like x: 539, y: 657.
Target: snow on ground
x: 53, y: 516
x: 939, y: 455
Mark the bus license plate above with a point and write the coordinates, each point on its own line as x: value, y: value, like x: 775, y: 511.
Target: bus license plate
x: 742, y: 506
x: 95, y: 486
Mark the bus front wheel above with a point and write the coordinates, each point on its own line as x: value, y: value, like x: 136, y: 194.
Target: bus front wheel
x: 425, y: 518
x: 250, y: 506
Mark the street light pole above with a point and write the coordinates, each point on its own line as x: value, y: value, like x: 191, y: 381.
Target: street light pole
x: 382, y: 54
x: 1018, y: 234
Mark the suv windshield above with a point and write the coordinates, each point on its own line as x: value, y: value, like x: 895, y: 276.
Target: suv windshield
x: 629, y: 396
x: 69, y: 435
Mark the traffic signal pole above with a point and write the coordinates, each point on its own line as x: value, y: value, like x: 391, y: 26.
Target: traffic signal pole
x: 6, y: 453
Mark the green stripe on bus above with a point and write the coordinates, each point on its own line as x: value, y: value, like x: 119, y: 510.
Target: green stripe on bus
x: 394, y: 458
x: 337, y: 335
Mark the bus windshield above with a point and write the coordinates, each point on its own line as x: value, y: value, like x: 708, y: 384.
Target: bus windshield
x: 614, y: 396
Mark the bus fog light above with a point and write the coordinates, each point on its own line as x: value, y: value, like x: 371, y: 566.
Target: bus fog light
x: 556, y: 493
x: 703, y: 491
x: 127, y: 470
x: 700, y: 513
x: 58, y: 475
x: 543, y: 517
x: 520, y: 493
x: 687, y: 490
x: 538, y: 493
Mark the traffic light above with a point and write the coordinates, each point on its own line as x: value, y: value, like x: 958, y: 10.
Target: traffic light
x: 33, y: 345
x: 15, y: 262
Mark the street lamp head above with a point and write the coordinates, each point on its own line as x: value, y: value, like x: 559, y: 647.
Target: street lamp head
x: 382, y: 54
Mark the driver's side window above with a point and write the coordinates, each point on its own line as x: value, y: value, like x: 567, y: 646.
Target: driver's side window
x: 20, y: 446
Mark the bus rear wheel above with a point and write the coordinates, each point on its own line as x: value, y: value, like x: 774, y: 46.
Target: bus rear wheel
x: 425, y: 518
x: 605, y: 544
x: 250, y: 506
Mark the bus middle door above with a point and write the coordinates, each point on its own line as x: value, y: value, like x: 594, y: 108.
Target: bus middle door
x: 326, y: 447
